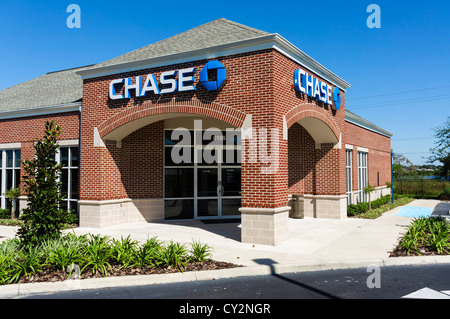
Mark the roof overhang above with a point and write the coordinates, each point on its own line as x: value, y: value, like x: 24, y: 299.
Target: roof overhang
x: 272, y: 41
x: 42, y: 110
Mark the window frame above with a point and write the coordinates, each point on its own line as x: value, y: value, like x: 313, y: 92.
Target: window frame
x: 15, y: 175
x: 71, y: 203
x: 349, y: 175
x: 362, y: 175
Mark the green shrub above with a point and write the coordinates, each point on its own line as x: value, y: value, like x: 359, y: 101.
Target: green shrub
x: 149, y: 254
x: 97, y: 254
x: 5, y: 213
x: 360, y: 208
x: 381, y: 201
x: 363, y: 206
x: 352, y: 210
x: 174, y: 255
x: 200, y: 252
x: 356, y: 209
x: 432, y: 233
x: 65, y: 251
x: 27, y: 261
x: 93, y: 252
x: 8, y: 250
x: 44, y: 216
x: 124, y: 251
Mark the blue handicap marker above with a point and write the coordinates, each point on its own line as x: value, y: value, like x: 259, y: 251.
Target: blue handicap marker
x: 412, y: 211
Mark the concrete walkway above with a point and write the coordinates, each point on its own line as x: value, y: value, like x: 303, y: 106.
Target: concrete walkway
x: 313, y: 244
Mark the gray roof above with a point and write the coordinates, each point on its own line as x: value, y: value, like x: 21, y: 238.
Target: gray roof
x: 49, y: 89
x: 214, y: 33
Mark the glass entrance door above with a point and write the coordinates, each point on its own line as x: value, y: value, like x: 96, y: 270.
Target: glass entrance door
x: 218, y: 192
x: 207, y: 192
x: 213, y: 191
x: 230, y: 196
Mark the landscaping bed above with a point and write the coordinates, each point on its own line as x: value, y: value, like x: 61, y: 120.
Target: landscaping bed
x: 424, y: 237
x: 95, y: 256
x: 54, y: 275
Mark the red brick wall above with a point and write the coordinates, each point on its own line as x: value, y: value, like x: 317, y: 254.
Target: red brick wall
x: 378, y: 158
x: 144, y: 149
x: 311, y: 170
x: 26, y: 129
x: 325, y: 166
x: 133, y: 169
x: 301, y: 160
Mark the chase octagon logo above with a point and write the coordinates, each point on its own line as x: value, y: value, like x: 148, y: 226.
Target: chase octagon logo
x: 221, y: 77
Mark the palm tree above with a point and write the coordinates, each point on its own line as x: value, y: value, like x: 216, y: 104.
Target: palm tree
x: 368, y: 190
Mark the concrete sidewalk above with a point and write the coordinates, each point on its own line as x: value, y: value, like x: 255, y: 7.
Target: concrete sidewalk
x: 314, y: 244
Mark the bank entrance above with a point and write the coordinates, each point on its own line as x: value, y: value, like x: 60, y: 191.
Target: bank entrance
x: 202, y: 172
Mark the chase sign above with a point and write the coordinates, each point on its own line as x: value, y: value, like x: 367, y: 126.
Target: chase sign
x: 170, y: 82
x: 309, y: 85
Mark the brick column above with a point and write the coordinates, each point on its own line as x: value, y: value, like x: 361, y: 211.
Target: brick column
x: 265, y: 211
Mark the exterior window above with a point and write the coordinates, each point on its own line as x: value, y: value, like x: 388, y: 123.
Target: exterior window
x: 179, y: 178
x: 9, y: 175
x: 362, y: 176
x: 348, y: 168
x: 70, y: 182
x: 207, y: 183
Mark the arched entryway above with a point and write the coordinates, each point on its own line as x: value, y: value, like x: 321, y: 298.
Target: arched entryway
x: 130, y: 119
x: 315, y: 161
x: 170, y: 161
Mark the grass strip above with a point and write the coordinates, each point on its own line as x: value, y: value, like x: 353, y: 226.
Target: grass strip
x: 377, y: 212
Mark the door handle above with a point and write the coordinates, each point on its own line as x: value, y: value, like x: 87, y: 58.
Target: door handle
x: 220, y: 189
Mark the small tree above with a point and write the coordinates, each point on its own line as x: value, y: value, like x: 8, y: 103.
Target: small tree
x: 13, y: 194
x: 441, y: 151
x: 44, y: 216
x: 368, y: 190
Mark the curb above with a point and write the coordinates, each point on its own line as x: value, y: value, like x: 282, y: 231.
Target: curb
x: 23, y: 290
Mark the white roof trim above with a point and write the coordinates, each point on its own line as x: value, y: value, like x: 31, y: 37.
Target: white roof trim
x: 43, y: 110
x: 272, y: 41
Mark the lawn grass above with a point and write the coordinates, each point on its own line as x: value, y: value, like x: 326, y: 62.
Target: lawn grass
x: 377, y: 212
x: 10, y: 222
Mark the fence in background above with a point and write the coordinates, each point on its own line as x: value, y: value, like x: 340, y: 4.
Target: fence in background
x: 421, y: 186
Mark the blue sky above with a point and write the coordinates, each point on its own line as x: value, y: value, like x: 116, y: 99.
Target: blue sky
x: 400, y: 73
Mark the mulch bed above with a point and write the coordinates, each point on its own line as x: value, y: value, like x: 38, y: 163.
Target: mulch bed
x: 424, y: 251
x: 54, y: 275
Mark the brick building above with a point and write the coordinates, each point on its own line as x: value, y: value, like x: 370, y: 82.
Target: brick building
x: 220, y: 121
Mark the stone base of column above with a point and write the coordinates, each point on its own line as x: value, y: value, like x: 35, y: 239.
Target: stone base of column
x: 99, y: 214
x: 325, y: 206
x: 268, y: 226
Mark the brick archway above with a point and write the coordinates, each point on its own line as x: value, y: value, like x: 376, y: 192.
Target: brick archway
x: 307, y: 111
x: 138, y: 116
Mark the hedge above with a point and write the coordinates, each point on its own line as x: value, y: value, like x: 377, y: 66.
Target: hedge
x: 356, y: 209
